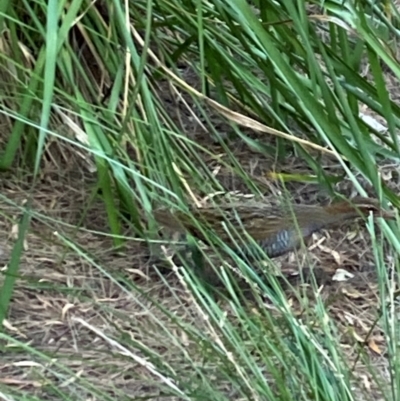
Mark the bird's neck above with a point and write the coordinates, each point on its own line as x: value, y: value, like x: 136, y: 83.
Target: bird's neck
x: 325, y: 218
x: 336, y: 214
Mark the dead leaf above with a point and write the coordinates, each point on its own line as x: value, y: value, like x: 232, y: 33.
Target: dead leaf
x: 374, y: 346
x: 354, y: 294
x: 342, y: 275
x: 367, y: 382
x: 336, y: 255
x: 358, y: 338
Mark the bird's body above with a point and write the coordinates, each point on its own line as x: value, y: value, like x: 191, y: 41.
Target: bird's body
x: 277, y: 230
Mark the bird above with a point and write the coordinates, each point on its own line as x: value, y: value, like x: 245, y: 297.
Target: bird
x: 277, y: 230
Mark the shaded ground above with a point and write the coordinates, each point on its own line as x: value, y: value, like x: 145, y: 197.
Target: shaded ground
x: 67, y: 308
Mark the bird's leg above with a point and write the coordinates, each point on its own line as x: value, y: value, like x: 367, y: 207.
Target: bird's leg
x: 167, y: 246
x: 199, y: 263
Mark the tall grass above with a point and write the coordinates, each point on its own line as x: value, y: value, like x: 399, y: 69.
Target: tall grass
x: 288, y: 69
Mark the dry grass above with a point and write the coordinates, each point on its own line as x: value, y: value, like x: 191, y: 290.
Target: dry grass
x: 74, y: 312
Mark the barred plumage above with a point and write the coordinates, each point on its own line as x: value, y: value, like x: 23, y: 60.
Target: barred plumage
x: 277, y: 230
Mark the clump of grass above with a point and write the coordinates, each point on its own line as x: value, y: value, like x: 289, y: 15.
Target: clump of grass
x: 99, y: 89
